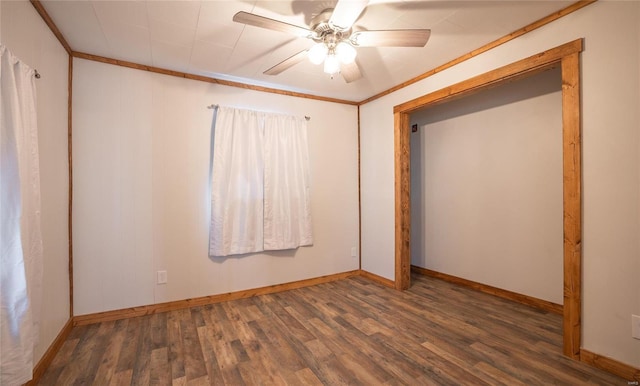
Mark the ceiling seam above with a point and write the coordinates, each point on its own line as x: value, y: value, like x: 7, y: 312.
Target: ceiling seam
x: 149, y: 32
x: 195, y: 36
x: 106, y: 39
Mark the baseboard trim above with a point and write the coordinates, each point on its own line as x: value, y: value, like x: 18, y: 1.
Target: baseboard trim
x: 201, y: 301
x: 505, y: 294
x: 47, y: 358
x: 612, y: 366
x: 378, y: 279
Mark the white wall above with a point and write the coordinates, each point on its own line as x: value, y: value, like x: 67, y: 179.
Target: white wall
x: 29, y: 38
x: 141, y: 168
x: 611, y: 162
x: 486, y: 187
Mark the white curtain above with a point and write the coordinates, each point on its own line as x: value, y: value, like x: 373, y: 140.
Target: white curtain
x: 287, y: 210
x: 236, y: 183
x: 260, y: 194
x: 20, y: 234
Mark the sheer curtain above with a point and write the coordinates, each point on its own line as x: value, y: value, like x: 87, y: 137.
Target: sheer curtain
x: 260, y: 185
x: 20, y: 235
x: 287, y: 204
x: 236, y: 183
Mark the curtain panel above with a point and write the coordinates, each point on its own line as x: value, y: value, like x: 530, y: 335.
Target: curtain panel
x: 20, y: 234
x: 260, y: 183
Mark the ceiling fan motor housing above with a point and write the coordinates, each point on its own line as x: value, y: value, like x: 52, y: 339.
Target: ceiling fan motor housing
x: 324, y: 32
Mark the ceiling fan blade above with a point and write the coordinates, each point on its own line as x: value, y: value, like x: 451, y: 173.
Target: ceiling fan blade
x: 287, y: 63
x: 391, y: 38
x: 350, y: 72
x: 346, y: 13
x: 265, y: 22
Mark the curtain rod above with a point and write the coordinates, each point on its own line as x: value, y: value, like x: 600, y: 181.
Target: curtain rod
x: 215, y: 106
x: 37, y: 74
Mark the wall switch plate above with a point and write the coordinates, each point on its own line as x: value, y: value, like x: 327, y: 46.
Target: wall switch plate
x: 635, y: 326
x: 353, y: 252
x: 162, y: 277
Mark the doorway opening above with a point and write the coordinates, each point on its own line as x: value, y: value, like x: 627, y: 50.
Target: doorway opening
x: 567, y: 58
x: 486, y: 189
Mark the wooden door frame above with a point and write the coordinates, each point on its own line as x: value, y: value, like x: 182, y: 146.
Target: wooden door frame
x: 566, y: 56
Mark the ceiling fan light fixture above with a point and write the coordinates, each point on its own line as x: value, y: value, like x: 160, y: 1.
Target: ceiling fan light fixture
x: 318, y: 53
x: 331, y: 64
x: 346, y: 53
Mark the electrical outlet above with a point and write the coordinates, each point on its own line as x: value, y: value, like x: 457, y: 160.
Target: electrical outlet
x: 635, y: 326
x: 353, y: 252
x: 162, y: 277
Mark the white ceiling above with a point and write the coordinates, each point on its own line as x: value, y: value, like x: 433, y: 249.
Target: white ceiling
x: 200, y: 37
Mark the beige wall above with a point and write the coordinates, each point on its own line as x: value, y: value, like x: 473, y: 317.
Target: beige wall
x: 29, y: 38
x: 611, y: 162
x: 486, y: 187
x: 141, y: 171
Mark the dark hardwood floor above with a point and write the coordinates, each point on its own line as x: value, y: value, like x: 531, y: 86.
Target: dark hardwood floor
x: 352, y: 331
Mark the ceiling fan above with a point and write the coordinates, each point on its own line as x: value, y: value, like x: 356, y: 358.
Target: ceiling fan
x: 336, y: 38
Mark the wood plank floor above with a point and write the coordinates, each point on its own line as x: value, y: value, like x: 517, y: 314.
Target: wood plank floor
x: 352, y: 331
